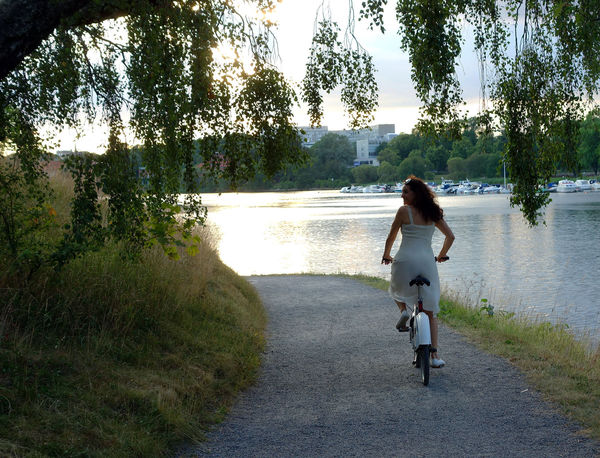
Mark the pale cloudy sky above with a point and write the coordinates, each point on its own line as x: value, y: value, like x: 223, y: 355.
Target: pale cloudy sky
x: 397, y: 101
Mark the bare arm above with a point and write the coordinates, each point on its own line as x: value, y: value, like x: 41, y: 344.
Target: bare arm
x: 391, y: 238
x: 448, y: 240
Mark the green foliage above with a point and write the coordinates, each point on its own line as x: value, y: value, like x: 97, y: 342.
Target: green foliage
x: 365, y: 174
x: 414, y: 164
x: 399, y: 147
x: 85, y: 231
x: 387, y: 173
x: 456, y: 167
x: 437, y: 156
x: 332, y: 64
x: 486, y: 307
x: 476, y: 165
x: 462, y: 148
x: 588, y: 151
x: 332, y: 156
x: 160, y: 63
x: 546, y: 66
x: 25, y: 212
x: 431, y: 34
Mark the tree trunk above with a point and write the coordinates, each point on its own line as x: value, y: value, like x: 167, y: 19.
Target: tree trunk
x: 25, y: 24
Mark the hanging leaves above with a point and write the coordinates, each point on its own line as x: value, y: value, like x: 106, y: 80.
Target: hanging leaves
x: 332, y: 64
x: 539, y: 64
x: 191, y: 80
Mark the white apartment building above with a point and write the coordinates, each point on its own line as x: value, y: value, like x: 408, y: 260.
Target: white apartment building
x: 311, y: 135
x: 366, y: 140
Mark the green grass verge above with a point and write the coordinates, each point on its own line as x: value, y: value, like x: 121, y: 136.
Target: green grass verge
x: 566, y: 370
x: 123, y: 358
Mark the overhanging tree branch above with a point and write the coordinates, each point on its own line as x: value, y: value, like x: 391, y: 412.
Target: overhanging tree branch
x: 25, y: 24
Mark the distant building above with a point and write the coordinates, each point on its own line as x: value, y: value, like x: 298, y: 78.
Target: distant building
x: 66, y: 153
x: 366, y: 140
x: 372, y: 137
x: 362, y: 154
x: 311, y: 135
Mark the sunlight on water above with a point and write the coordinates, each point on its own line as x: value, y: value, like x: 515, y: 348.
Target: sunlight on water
x: 549, y: 271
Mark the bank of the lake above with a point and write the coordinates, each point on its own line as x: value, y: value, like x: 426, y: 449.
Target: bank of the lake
x: 143, y: 359
x: 564, y: 367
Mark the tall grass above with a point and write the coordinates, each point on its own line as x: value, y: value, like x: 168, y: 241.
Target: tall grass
x: 563, y: 367
x: 113, y: 357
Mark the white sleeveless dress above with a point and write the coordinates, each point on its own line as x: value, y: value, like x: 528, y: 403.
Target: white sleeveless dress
x: 415, y: 257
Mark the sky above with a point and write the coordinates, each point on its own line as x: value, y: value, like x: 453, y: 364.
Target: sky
x: 398, y: 103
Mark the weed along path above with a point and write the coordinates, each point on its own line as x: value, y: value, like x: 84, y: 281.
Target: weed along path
x: 337, y: 380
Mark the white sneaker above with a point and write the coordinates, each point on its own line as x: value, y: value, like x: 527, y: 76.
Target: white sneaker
x: 401, y: 325
x: 437, y: 363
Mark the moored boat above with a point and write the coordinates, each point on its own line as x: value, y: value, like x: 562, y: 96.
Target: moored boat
x: 566, y: 186
x: 583, y: 185
x: 374, y: 189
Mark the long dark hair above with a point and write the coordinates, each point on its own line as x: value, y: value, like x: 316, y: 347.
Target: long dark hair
x: 425, y: 200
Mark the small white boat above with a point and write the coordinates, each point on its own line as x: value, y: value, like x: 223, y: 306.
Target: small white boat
x: 374, y: 189
x: 351, y: 189
x: 583, y: 185
x: 466, y: 187
x: 446, y: 187
x: 491, y: 190
x: 566, y: 186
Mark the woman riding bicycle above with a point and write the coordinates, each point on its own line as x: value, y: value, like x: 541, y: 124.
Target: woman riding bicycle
x: 417, y: 220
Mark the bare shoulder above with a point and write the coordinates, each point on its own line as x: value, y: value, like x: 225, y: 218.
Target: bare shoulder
x: 403, y: 210
x: 402, y: 214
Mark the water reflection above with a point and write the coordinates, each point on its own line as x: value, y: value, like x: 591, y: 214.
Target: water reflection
x: 546, y: 270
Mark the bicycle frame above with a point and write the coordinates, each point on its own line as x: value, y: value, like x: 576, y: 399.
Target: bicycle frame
x: 420, y: 331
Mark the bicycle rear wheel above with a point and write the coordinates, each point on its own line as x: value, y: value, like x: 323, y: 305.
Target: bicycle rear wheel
x: 424, y: 364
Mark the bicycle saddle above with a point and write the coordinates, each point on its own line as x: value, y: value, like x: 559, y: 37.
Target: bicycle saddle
x: 419, y: 281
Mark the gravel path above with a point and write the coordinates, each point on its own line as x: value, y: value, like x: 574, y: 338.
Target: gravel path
x: 337, y: 380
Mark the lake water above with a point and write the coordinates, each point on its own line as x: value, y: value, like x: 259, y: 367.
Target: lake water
x: 547, y: 271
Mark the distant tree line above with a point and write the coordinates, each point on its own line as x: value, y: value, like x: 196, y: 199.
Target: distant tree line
x: 474, y: 155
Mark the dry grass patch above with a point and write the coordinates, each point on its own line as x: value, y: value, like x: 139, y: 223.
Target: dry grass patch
x: 123, y: 358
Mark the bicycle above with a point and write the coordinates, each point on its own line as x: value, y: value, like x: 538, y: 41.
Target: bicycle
x: 420, y: 331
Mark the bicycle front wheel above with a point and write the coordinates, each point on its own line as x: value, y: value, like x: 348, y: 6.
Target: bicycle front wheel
x: 424, y: 360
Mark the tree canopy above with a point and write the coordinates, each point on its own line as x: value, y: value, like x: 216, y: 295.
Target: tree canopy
x: 194, y: 78
x: 189, y: 78
x: 539, y: 69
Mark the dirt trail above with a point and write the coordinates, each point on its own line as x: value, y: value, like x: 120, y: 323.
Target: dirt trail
x: 337, y: 380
